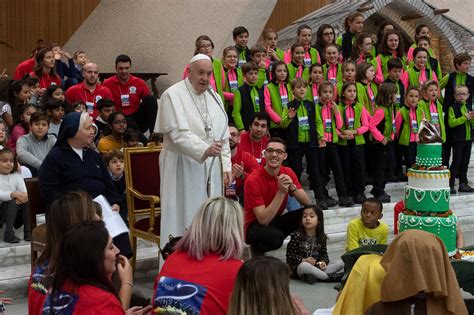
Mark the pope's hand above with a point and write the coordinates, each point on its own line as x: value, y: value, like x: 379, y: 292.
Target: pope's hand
x: 214, y: 149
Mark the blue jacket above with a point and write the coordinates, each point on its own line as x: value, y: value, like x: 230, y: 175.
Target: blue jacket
x: 63, y: 171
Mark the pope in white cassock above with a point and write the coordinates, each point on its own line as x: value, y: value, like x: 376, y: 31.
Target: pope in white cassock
x: 195, y: 159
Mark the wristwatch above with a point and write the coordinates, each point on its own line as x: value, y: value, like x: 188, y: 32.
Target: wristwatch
x: 292, y: 188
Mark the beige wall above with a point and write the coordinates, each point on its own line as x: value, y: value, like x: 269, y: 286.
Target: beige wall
x: 159, y: 35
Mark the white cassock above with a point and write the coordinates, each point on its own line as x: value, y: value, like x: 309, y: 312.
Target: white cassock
x: 183, y: 117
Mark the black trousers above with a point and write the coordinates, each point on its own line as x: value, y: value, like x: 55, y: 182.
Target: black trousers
x: 328, y: 157
x: 14, y: 215
x: 409, y: 153
x: 295, y: 161
x: 145, y: 116
x: 353, y: 167
x: 460, y: 164
x: 447, y: 148
x: 264, y: 238
x: 380, y: 155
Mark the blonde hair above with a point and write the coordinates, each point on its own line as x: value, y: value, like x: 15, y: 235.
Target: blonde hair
x: 262, y: 287
x: 216, y: 228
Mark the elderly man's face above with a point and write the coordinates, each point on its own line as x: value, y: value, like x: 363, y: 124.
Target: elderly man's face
x: 200, y: 74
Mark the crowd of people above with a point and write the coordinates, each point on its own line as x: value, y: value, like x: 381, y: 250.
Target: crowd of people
x: 242, y: 127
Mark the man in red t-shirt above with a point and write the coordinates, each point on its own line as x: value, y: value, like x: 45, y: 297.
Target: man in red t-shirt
x: 90, y: 91
x: 131, y: 95
x: 265, y: 198
x: 256, y: 139
x: 243, y: 164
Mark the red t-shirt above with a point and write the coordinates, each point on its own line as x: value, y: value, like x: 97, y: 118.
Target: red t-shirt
x: 198, y: 287
x: 261, y: 188
x: 127, y: 96
x: 252, y: 147
x: 80, y: 92
x: 46, y: 80
x: 23, y: 68
x: 250, y: 164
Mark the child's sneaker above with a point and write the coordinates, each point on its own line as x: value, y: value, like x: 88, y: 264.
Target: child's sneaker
x: 309, y: 278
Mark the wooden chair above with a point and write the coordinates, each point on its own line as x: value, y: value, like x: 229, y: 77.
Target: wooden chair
x: 142, y: 177
x: 36, y: 206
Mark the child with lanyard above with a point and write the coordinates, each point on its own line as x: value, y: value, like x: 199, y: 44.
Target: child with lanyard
x: 420, y: 30
x: 407, y: 122
x: 233, y: 77
x: 391, y: 47
x: 432, y: 107
x: 362, y: 52
x: 351, y: 142
x: 259, y: 54
x: 307, y: 253
x: 353, y: 25
x: 248, y: 99
x: 328, y: 124
x: 382, y: 127
x: 395, y: 69
x: 366, y: 87
x: 332, y: 68
x: 270, y: 40
x: 432, y: 63
x: 277, y: 95
x: 419, y: 73
x: 241, y: 38
x: 296, y: 67
x: 315, y: 79
x: 311, y: 54
x: 348, y: 75
x: 302, y: 138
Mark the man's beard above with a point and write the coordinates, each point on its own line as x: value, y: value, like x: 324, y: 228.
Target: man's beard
x: 232, y: 145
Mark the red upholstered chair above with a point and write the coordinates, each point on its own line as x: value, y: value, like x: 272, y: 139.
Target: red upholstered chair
x: 142, y: 177
x: 36, y: 206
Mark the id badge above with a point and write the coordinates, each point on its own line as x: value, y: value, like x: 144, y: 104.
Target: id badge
x: 284, y: 101
x: 398, y: 98
x: 265, y: 83
x: 333, y: 81
x: 90, y: 107
x: 372, y: 99
x: 125, y: 98
x: 307, y: 62
x: 259, y: 161
x: 241, y: 62
x: 233, y: 85
x: 350, y: 123
x: 257, y: 103
x: 303, y: 123
x: 327, y: 125
x: 434, y: 118
x: 394, y: 127
x: 414, y: 126
x: 316, y: 99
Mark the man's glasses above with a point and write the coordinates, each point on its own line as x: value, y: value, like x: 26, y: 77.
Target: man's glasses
x: 270, y: 151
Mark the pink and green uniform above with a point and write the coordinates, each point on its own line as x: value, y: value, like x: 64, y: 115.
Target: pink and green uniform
x: 277, y: 96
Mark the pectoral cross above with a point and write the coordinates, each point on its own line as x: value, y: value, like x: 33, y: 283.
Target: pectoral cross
x: 207, y: 129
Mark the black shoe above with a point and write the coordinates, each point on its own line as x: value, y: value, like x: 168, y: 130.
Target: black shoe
x: 384, y: 198
x: 345, y: 202
x: 27, y: 237
x: 309, y: 278
x: 359, y: 199
x: 11, y: 238
x: 335, y: 277
x: 452, y: 191
x: 322, y: 204
x: 331, y: 202
x: 463, y: 187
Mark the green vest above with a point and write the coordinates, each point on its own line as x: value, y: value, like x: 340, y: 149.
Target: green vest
x: 240, y: 82
x: 262, y: 79
x: 413, y: 76
x: 359, y: 139
x: 280, y: 54
x: 363, y: 96
x: 385, y: 59
x: 309, y: 94
x: 303, y: 135
x: 292, y: 71
x: 426, y: 108
x: 320, y: 124
x: 338, y: 73
x: 406, y: 127
x: 217, y: 70
x: 313, y: 52
x: 389, y: 114
x: 277, y: 105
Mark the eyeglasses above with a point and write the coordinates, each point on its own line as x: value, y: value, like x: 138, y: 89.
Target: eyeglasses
x: 328, y: 34
x: 270, y: 151
x: 120, y: 122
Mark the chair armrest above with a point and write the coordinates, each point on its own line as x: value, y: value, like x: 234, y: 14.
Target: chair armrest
x: 152, y: 198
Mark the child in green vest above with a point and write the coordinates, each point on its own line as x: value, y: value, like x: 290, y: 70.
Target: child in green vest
x: 420, y: 31
x: 353, y: 24
x: 311, y: 54
x: 248, y: 99
x: 432, y: 107
x: 241, y: 38
x: 382, y: 127
x: 460, y: 121
x: 366, y: 87
x: 332, y: 69
x: 270, y: 41
x: 348, y: 75
x: 233, y: 76
x: 259, y: 55
x: 362, y: 52
x: 328, y: 124
x: 296, y: 68
x: 277, y: 95
x: 302, y: 139
x: 351, y: 144
x: 391, y: 47
x: 420, y: 72
x: 315, y: 79
x: 407, y: 122
x: 433, y: 63
x: 395, y: 69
